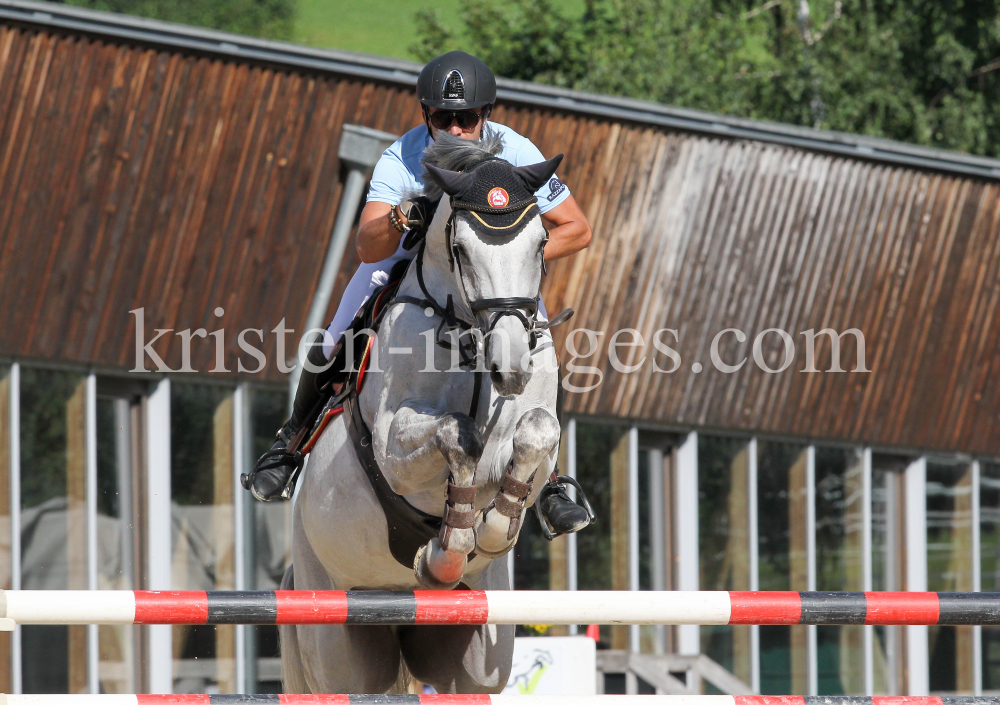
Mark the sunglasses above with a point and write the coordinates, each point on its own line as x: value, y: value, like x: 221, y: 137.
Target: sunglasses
x: 466, y: 119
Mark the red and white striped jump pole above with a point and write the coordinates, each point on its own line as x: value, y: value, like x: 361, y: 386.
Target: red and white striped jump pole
x: 494, y: 607
x: 486, y: 700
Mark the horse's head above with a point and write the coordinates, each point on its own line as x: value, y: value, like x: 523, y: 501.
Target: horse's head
x: 495, y: 242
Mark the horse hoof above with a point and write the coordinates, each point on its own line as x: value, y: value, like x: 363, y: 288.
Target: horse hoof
x: 438, y: 569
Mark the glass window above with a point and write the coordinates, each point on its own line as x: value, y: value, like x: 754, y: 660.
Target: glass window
x: 839, y: 566
x: 531, y: 556
x: 53, y: 522
x: 202, y: 491
x: 781, y: 538
x: 723, y: 542
x: 989, y: 552
x: 598, y: 449
x: 116, y: 533
x: 949, y: 568
x: 268, y: 525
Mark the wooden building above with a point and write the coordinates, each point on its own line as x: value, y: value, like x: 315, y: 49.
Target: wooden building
x: 186, y: 172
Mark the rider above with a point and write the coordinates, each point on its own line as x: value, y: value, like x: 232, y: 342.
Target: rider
x: 457, y: 92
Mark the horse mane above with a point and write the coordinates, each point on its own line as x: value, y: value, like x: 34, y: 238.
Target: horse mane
x: 453, y: 153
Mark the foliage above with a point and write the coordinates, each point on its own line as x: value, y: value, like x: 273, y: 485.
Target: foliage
x: 272, y: 19
x: 923, y: 71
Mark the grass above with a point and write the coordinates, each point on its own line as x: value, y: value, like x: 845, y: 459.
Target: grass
x: 382, y: 27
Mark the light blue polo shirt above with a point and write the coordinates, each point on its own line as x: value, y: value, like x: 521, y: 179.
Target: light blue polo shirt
x: 398, y: 171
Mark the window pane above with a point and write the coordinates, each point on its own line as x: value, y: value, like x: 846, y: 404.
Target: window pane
x: 949, y: 568
x: 531, y: 556
x: 989, y: 513
x: 723, y: 542
x: 53, y: 522
x: 115, y: 534
x: 840, y: 649
x: 595, y: 446
x: 781, y: 534
x: 269, y: 528
x: 202, y: 476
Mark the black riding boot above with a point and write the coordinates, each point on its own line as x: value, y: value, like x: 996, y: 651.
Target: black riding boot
x: 554, y: 506
x: 562, y: 514
x: 273, y: 471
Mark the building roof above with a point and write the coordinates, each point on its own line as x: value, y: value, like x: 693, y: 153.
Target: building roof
x: 404, y: 73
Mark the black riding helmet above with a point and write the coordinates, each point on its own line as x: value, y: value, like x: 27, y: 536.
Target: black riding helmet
x: 457, y: 81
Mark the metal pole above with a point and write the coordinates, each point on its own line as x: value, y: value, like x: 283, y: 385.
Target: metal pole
x: 917, y: 660
x: 686, y: 508
x: 93, y: 653
x: 15, y: 516
x: 158, y: 526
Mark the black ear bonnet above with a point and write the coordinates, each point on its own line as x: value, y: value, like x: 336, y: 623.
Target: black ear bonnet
x: 499, y: 198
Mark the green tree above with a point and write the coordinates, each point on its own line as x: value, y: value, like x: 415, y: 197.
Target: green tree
x: 923, y: 71
x: 271, y: 19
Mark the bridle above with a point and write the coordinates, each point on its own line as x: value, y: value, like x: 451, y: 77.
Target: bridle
x: 498, y: 308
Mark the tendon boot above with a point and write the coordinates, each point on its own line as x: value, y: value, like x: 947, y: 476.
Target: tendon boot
x: 276, y: 472
x: 557, y: 512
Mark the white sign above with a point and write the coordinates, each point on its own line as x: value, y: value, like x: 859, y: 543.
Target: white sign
x: 553, y: 665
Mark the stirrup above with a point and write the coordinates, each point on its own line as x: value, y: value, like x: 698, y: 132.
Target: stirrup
x: 583, y: 502
x: 247, y: 478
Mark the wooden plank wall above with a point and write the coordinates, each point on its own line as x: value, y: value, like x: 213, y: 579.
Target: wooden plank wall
x: 140, y: 177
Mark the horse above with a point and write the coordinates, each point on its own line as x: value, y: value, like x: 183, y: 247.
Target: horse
x: 447, y: 448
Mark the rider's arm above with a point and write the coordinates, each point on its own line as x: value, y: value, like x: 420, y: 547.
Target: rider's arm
x: 377, y: 239
x: 569, y: 230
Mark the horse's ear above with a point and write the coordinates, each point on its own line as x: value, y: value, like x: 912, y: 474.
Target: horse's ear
x: 451, y: 182
x: 534, y: 176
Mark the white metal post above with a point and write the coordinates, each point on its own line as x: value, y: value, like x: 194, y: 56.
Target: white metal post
x: 571, y: 581
x: 158, y: 518
x: 813, y: 667
x: 977, y: 582
x: 15, y: 517
x: 126, y: 512
x: 754, y: 559
x: 239, y: 535
x: 916, y: 573
x: 90, y: 403
x: 633, y: 527
x: 686, y: 511
x: 866, y: 564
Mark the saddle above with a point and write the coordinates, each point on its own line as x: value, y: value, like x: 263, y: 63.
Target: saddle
x: 409, y: 528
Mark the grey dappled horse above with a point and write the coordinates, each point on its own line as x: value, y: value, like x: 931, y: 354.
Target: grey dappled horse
x: 429, y: 449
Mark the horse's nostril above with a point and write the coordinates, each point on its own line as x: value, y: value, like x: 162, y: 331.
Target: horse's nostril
x: 495, y: 375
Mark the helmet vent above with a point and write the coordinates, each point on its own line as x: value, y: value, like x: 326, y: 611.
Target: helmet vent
x: 454, y: 87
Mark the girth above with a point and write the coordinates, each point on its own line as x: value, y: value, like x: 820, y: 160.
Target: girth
x: 409, y: 528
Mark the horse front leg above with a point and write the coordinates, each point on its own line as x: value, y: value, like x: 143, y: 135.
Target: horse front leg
x: 421, y: 441
x: 535, y: 437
